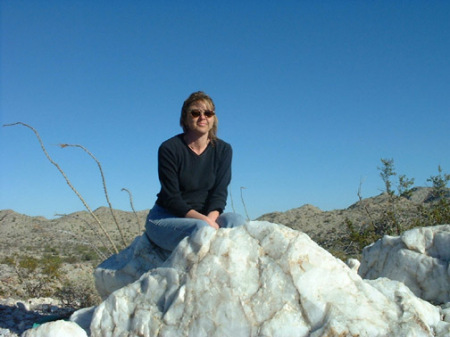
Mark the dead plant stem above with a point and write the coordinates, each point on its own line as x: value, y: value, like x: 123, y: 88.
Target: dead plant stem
x: 134, y: 211
x: 67, y: 181
x: 104, y: 186
x: 243, y: 202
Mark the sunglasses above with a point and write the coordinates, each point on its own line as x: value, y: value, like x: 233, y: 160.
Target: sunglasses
x: 207, y: 113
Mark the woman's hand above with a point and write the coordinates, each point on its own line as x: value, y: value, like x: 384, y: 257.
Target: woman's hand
x: 212, y: 223
x: 213, y: 215
x: 210, y: 219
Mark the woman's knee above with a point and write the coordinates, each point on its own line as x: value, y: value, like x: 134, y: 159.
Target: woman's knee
x: 172, y: 229
x: 230, y: 220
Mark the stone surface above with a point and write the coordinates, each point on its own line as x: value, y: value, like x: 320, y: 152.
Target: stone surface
x: 353, y: 264
x: 446, y: 312
x: 412, y: 307
x: 261, y: 279
x: 56, y: 329
x: 127, y: 266
x: 83, y: 318
x: 419, y: 258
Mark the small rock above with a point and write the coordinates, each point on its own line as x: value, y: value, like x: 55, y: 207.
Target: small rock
x: 56, y: 329
x: 353, y: 264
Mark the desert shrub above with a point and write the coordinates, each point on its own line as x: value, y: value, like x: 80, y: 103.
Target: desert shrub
x: 71, y: 259
x: 51, y: 266
x: 38, y: 276
x: 357, y: 237
x: 439, y: 210
x: 28, y: 263
x: 394, y: 220
x: 86, y: 253
x: 386, y: 172
x: 404, y: 186
x: 8, y: 260
x: 78, y: 294
x: 89, y: 255
x: 43, y: 277
x: 438, y: 213
x: 361, y: 237
x: 439, y: 182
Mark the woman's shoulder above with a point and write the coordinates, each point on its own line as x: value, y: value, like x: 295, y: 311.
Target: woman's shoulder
x: 174, y: 141
x: 172, y: 147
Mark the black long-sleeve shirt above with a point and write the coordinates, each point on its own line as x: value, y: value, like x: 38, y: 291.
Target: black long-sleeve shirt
x: 191, y: 181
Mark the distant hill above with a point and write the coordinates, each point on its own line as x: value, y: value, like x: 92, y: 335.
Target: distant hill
x: 325, y: 227
x: 22, y: 234
x: 77, y: 240
x: 73, y: 234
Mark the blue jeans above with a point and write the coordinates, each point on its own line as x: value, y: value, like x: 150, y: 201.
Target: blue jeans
x: 167, y: 230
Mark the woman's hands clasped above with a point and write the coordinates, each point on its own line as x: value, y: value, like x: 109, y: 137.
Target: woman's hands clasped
x: 210, y: 219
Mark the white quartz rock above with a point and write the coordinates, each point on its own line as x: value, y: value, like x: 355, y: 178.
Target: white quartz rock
x: 128, y: 265
x: 419, y: 258
x: 446, y: 312
x: 353, y: 264
x: 83, y: 318
x: 260, y: 279
x: 56, y: 329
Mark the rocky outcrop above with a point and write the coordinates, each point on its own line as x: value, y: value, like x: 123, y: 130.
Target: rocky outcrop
x: 261, y: 279
x: 127, y: 266
x: 419, y: 258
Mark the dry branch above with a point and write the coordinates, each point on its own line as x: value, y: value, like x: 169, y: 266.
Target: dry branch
x: 104, y: 186
x: 134, y: 211
x: 90, y: 227
x: 68, y: 182
x: 243, y: 202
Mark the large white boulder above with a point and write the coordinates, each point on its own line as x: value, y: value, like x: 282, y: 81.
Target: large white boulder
x: 261, y: 279
x: 128, y: 265
x: 419, y: 258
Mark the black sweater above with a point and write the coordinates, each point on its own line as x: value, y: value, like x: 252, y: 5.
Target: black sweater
x: 191, y: 181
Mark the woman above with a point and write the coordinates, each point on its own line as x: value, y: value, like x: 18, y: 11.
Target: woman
x: 194, y: 170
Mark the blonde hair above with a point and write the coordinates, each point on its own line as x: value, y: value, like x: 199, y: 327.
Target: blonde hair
x: 194, y: 97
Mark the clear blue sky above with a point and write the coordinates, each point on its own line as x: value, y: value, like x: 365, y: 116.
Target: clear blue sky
x: 310, y: 94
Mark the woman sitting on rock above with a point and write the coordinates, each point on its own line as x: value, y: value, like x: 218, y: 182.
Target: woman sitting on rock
x: 194, y: 170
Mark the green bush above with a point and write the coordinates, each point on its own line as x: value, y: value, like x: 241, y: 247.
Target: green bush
x: 38, y: 276
x: 9, y: 261
x: 51, y: 266
x: 393, y: 220
x: 28, y: 263
x: 78, y: 294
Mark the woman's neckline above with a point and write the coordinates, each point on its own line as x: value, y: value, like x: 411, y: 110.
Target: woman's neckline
x: 197, y: 150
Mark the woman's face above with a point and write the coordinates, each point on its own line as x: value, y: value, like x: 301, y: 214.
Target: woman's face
x: 202, y: 124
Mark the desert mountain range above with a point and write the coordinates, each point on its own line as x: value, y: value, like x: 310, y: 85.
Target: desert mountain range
x: 74, y: 233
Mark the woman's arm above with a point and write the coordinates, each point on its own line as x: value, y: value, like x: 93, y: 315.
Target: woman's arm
x: 196, y: 215
x: 218, y: 195
x: 168, y: 177
x: 213, y: 215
